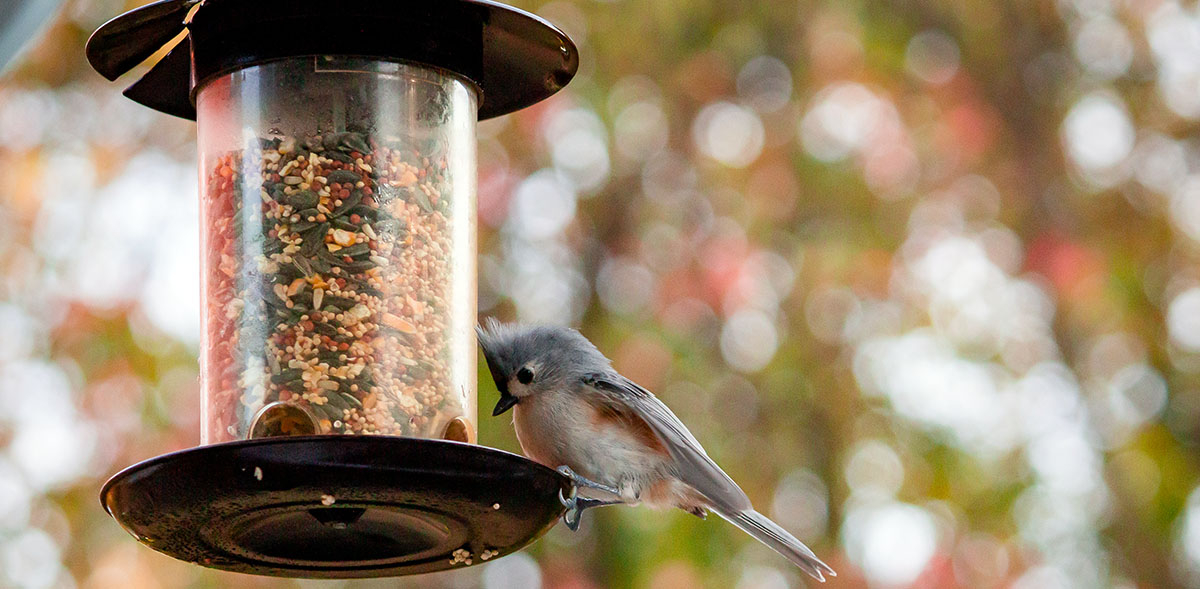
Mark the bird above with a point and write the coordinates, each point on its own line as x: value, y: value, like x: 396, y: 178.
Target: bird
x: 616, y: 441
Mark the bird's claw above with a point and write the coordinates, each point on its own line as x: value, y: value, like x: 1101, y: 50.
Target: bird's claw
x: 573, y: 514
x: 574, y: 503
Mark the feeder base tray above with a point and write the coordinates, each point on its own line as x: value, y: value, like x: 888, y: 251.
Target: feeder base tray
x: 336, y: 506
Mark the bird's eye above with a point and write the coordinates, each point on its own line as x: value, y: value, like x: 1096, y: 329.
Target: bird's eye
x: 525, y: 375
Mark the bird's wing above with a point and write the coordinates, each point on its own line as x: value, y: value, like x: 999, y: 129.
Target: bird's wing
x: 695, y: 467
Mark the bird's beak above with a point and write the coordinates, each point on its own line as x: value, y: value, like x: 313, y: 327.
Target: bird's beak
x: 505, y: 403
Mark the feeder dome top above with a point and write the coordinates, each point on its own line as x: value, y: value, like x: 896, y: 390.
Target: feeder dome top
x: 513, y: 58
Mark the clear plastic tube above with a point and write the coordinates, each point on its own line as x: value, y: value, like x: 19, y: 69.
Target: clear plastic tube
x: 338, y: 250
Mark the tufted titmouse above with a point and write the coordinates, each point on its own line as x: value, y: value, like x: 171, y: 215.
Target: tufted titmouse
x: 615, y: 439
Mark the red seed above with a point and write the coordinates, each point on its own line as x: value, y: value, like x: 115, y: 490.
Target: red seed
x: 354, y: 218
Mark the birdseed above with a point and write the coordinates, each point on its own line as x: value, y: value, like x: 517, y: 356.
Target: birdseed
x: 461, y: 556
x: 328, y: 274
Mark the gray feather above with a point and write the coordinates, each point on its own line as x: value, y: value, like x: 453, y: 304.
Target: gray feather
x: 695, y: 467
x: 779, y: 540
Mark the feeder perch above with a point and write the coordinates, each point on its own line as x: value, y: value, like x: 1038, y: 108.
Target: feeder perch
x: 337, y: 187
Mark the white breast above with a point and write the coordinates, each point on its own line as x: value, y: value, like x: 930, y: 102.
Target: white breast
x: 556, y: 429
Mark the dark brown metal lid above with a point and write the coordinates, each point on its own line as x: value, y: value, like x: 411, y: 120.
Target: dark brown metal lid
x: 514, y: 58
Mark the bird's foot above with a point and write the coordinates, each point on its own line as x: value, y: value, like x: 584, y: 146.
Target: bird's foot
x: 579, y: 481
x: 576, y: 504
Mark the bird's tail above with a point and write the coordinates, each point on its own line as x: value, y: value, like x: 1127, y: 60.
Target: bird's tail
x: 769, y: 533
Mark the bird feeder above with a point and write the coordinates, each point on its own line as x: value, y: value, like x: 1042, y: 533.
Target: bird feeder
x: 338, y: 256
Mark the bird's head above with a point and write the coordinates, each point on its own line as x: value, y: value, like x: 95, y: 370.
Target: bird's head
x: 529, y: 360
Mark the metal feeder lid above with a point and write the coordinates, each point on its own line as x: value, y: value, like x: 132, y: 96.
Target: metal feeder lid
x: 513, y: 58
x: 336, y: 506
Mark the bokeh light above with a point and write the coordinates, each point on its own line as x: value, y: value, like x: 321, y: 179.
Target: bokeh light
x: 1098, y: 136
x: 728, y: 133
x: 932, y: 56
x: 842, y: 119
x: 892, y: 542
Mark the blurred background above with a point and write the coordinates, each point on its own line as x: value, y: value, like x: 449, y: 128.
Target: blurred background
x: 924, y: 276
